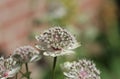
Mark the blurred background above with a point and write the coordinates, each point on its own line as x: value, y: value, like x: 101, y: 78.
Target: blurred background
x: 95, y: 23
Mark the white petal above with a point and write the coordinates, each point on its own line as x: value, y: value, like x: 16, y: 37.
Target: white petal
x: 75, y: 46
x: 68, y: 52
x: 35, y: 58
x: 3, y: 78
x: 37, y: 37
x: 49, y: 54
x: 13, y: 72
x: 39, y: 47
x: 68, y: 75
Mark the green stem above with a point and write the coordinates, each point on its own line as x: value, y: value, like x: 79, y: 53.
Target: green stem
x: 27, y: 71
x: 16, y: 76
x: 54, y: 65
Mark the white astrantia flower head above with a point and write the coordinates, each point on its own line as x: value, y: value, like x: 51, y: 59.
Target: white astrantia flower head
x: 8, y: 67
x: 56, y: 41
x: 83, y: 69
x: 26, y: 54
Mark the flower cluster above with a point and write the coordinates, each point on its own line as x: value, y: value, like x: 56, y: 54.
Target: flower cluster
x: 8, y: 67
x: 83, y: 69
x: 53, y: 42
x: 26, y: 54
x: 56, y: 41
x: 11, y: 65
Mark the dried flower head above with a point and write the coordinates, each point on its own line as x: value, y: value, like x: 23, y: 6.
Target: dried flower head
x: 26, y: 54
x: 56, y: 41
x: 83, y: 69
x: 8, y: 67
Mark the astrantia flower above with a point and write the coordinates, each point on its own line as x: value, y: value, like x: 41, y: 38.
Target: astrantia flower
x: 8, y: 67
x: 26, y: 54
x: 56, y: 41
x: 83, y: 69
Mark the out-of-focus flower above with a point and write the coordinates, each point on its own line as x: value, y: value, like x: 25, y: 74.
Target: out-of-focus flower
x: 56, y: 9
x: 8, y: 67
x: 26, y: 54
x: 83, y: 69
x: 56, y: 41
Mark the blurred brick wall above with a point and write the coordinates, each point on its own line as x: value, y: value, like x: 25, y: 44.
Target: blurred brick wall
x: 15, y: 22
x: 16, y: 18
